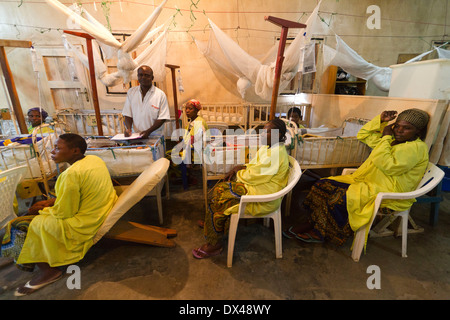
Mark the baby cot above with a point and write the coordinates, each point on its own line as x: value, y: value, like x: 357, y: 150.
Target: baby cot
x: 331, y: 147
x: 258, y: 114
x: 36, y: 155
x: 84, y: 123
x: 230, y: 114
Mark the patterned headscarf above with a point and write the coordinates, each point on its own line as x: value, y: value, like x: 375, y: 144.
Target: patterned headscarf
x: 195, y: 103
x: 44, y: 113
x: 416, y: 117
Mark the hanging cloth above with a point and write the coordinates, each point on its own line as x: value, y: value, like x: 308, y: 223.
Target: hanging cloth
x: 126, y: 65
x: 231, y: 63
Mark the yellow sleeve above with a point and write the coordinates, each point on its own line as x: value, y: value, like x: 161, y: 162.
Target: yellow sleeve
x: 394, y: 161
x: 371, y: 132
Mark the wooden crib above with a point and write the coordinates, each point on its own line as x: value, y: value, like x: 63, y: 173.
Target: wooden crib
x: 36, y: 156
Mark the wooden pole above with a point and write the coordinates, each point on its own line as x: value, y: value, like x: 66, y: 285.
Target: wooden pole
x: 174, y: 88
x: 94, y: 87
x: 9, y: 79
x: 285, y: 25
x: 90, y: 55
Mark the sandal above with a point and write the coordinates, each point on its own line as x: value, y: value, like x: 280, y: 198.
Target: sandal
x: 201, y: 254
x: 307, y: 237
x: 289, y: 233
x: 34, y: 287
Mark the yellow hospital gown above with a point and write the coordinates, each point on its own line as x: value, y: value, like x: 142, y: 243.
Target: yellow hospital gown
x: 62, y: 234
x: 267, y: 173
x: 397, y: 168
x: 43, y: 130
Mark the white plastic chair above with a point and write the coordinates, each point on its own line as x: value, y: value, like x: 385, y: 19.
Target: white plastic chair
x: 294, y: 175
x: 433, y: 175
x: 9, y: 179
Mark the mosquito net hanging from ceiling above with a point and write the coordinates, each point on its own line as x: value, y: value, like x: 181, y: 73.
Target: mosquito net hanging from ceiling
x: 154, y: 55
x: 350, y: 61
x: 232, y: 64
x: 443, y: 53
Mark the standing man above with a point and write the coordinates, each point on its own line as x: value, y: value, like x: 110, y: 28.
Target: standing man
x: 146, y: 106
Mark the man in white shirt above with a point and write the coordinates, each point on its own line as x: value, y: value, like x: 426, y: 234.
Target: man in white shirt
x: 146, y: 107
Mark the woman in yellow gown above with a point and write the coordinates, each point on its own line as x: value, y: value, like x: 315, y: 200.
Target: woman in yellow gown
x: 64, y: 229
x: 267, y: 173
x: 338, y: 206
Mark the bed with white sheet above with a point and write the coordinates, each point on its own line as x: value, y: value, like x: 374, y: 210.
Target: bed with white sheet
x: 124, y: 159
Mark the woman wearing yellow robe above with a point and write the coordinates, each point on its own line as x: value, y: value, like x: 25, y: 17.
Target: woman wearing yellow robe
x: 340, y: 205
x: 62, y: 233
x: 267, y: 173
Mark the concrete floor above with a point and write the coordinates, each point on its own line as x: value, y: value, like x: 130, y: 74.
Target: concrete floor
x: 114, y: 269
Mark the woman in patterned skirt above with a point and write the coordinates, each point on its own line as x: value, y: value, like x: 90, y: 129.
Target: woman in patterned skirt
x: 338, y: 206
x: 267, y: 173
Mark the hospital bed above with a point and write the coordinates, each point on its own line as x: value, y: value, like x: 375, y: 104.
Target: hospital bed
x: 124, y: 159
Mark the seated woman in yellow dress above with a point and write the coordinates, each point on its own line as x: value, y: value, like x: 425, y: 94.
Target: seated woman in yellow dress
x: 63, y: 230
x: 338, y: 206
x: 267, y: 173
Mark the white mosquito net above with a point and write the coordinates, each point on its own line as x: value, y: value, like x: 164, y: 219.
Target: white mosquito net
x: 350, y: 61
x: 154, y: 55
x: 232, y: 64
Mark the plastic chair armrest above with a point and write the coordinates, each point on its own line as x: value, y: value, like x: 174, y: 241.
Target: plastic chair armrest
x: 401, y: 195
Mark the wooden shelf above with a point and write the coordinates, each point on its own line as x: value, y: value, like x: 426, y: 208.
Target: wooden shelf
x: 351, y: 82
x: 330, y: 85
